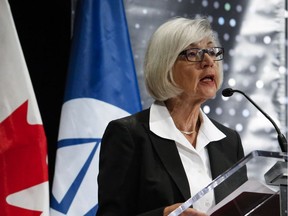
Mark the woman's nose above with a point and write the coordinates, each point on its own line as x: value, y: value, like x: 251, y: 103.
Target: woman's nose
x: 207, y: 60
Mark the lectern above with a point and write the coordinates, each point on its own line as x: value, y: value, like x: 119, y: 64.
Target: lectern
x: 263, y: 194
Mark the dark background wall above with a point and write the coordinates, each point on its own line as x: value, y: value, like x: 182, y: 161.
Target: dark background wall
x: 44, y: 32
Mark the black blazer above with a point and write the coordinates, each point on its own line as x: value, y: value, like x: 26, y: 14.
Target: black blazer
x: 141, y: 173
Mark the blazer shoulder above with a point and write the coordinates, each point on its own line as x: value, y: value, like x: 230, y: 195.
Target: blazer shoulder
x: 139, y: 117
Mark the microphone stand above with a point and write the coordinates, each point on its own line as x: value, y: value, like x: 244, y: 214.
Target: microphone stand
x: 281, y: 138
x: 278, y: 174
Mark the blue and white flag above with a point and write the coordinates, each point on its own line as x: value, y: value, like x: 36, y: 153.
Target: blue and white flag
x: 101, y: 86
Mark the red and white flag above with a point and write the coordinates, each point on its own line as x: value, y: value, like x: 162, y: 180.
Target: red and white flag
x: 24, y: 189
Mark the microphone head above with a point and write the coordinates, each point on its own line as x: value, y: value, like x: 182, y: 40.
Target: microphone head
x: 227, y: 92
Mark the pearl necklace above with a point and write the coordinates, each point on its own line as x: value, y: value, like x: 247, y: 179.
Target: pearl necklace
x: 191, y: 132
x: 187, y: 132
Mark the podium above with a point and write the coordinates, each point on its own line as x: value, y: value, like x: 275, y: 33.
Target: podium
x: 263, y: 192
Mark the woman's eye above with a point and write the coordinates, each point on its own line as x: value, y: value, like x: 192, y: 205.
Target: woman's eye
x: 212, y: 53
x: 191, y: 54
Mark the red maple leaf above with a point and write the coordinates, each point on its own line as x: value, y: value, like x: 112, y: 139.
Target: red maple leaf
x: 23, y: 155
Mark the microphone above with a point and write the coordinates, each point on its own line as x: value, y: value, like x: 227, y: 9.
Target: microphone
x: 281, y: 138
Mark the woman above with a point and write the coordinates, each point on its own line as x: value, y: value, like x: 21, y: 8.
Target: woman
x: 154, y: 160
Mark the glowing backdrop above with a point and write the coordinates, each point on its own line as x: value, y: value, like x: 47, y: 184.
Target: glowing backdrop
x: 254, y: 36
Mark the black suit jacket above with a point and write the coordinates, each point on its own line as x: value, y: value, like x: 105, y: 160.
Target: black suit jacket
x: 141, y: 173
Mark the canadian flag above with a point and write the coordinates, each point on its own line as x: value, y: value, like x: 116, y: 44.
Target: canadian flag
x: 24, y: 189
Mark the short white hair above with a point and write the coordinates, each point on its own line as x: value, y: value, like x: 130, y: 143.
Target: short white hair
x: 170, y: 39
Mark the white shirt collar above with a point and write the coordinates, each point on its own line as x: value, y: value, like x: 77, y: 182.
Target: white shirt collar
x: 162, y: 124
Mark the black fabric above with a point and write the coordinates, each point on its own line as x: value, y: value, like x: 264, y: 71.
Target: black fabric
x: 142, y: 173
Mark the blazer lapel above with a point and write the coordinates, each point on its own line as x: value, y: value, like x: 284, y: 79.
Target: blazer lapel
x: 168, y: 153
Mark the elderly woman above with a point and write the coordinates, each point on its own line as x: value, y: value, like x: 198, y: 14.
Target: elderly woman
x: 152, y: 161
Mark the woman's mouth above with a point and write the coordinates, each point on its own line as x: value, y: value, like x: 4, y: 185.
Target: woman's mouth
x: 208, y: 78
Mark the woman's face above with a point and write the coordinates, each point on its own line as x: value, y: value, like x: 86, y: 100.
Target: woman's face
x: 198, y: 80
